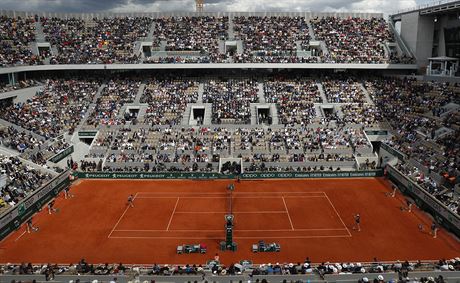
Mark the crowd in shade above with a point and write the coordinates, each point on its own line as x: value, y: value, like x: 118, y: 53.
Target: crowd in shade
x: 15, y: 36
x: 114, y: 96
x: 395, y: 272
x: 271, y: 39
x: 55, y: 109
x: 426, y: 131
x: 353, y: 40
x: 4, y: 87
x: 167, y: 100
x: 294, y: 99
x: 96, y: 41
x: 21, y: 180
x: 231, y: 100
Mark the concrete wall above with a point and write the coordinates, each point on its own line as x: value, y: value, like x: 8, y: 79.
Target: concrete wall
x: 424, y: 40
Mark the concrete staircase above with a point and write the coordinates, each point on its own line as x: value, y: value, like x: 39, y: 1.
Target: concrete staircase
x: 142, y: 112
x: 322, y: 93
x: 310, y: 31
x: 366, y: 93
x: 221, y: 44
x: 298, y: 45
x: 90, y: 110
x: 151, y: 31
x: 200, y: 93
x: 274, y: 112
x: 207, y: 113
x: 54, y: 50
x: 261, y: 92
x: 231, y: 30
x: 139, y: 94
x: 186, y: 117
x: 239, y: 47
x: 39, y: 34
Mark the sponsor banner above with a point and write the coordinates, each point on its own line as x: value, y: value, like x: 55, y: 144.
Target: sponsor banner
x: 61, y: 155
x: 401, y: 156
x: 255, y: 175
x: 421, y: 195
x: 11, y: 219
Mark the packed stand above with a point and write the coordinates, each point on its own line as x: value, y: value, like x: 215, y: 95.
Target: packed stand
x: 96, y: 41
x: 56, y: 109
x: 15, y: 36
x: 231, y: 100
x: 362, y: 114
x: 115, y: 95
x: 413, y: 109
x: 167, y: 100
x: 343, y: 90
x: 19, y: 85
x: 200, y: 34
x: 22, y: 180
x: 270, y: 39
x: 353, y: 40
x: 294, y: 100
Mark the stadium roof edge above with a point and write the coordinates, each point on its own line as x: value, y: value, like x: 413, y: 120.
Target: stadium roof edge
x: 430, y: 8
x: 208, y: 66
x: 307, y: 14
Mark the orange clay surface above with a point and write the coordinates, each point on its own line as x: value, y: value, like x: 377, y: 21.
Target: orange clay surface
x: 311, y: 218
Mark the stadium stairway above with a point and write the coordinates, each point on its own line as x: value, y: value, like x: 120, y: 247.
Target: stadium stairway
x: 231, y: 30
x: 310, y: 31
x: 221, y: 44
x: 139, y: 94
x: 324, y: 48
x: 151, y: 31
x: 200, y: 93
x: 91, y: 108
x: 207, y: 114
x: 261, y: 92
x: 321, y: 92
x: 39, y: 34
x: 366, y: 93
x: 274, y: 112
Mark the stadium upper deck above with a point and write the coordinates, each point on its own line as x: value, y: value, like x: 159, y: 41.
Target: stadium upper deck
x: 219, y: 40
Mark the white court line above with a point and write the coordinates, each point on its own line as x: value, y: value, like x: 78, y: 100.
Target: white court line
x: 250, y: 230
x: 235, y: 212
x: 220, y: 238
x: 126, y: 210
x: 23, y: 233
x: 338, y: 214
x: 238, y: 197
x: 172, y: 214
x: 234, y: 193
x: 289, y: 216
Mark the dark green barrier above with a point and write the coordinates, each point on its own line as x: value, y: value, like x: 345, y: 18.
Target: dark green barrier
x: 210, y: 176
x: 87, y: 133
x: 12, y: 219
x: 61, y: 155
x: 396, y: 153
x: 377, y: 132
x: 425, y: 200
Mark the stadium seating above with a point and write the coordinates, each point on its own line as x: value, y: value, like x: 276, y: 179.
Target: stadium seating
x: 196, y: 39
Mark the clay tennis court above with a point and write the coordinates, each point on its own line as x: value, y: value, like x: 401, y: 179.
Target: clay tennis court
x: 311, y: 218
